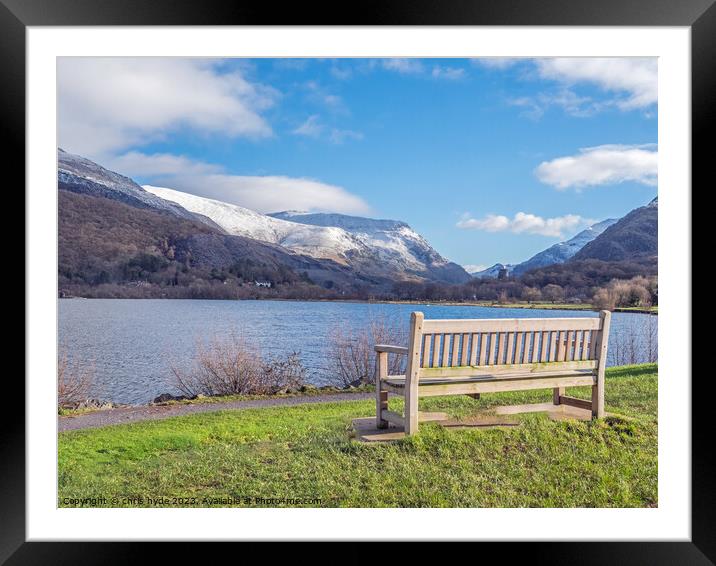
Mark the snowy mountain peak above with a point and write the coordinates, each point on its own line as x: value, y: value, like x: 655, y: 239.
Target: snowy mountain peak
x: 494, y: 271
x: 379, y: 248
x: 80, y: 175
x: 561, y: 252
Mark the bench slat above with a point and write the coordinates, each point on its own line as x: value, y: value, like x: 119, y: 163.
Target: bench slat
x: 483, y: 349
x: 500, y: 385
x: 427, y: 348
x: 398, y: 381
x: 436, y: 350
x: 473, y: 349
x: 527, y: 346
x: 439, y: 326
x: 464, y: 351
x: 446, y: 350
x: 534, y: 369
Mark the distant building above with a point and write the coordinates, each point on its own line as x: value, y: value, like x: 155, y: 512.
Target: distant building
x: 263, y: 284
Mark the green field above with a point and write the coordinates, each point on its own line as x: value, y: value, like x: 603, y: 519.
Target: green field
x: 304, y: 456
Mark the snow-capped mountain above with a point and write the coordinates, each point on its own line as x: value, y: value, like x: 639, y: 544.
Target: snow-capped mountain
x: 493, y: 272
x: 80, y: 175
x: 391, y: 242
x: 381, y: 248
x: 561, y: 252
x: 315, y: 241
x: 634, y: 237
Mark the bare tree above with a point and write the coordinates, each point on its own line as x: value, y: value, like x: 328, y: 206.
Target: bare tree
x: 553, y: 293
x: 231, y: 366
x: 352, y: 353
x: 635, y: 342
x: 75, y: 381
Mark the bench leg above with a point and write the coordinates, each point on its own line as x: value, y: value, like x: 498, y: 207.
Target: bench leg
x: 411, y: 409
x: 598, y: 401
x: 381, y: 396
x: 557, y: 392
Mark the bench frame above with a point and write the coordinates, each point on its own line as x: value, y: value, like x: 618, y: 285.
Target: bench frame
x: 577, y: 362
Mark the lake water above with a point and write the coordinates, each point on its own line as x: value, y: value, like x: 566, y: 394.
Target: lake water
x: 129, y: 342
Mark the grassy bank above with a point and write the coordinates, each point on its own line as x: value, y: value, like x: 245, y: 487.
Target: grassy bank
x: 305, y: 454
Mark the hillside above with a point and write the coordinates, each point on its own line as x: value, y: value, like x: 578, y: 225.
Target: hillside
x: 493, y: 272
x: 109, y: 248
x: 562, y: 251
x: 390, y: 245
x: 634, y: 237
x: 377, y: 249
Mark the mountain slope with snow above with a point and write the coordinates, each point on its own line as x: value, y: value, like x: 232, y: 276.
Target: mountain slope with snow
x: 379, y: 248
x: 315, y: 241
x: 392, y: 243
x: 493, y: 271
x: 561, y: 252
x: 633, y: 237
x: 80, y: 175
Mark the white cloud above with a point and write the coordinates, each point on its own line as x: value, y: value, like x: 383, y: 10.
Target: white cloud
x: 341, y: 72
x: 491, y: 223
x: 319, y: 95
x: 534, y: 107
x: 261, y: 193
x: 107, y: 104
x: 496, y: 62
x: 602, y: 165
x: 449, y: 73
x: 270, y: 193
x: 632, y: 82
x: 311, y: 128
x: 339, y: 136
x: 633, y: 77
x: 524, y: 223
x: 403, y: 66
x: 137, y: 164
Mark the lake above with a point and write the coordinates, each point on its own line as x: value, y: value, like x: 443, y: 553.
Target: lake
x: 129, y: 342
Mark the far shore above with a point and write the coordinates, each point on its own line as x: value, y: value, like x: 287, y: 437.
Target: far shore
x: 521, y: 305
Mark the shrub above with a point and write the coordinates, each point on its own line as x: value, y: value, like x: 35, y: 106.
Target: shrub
x: 75, y: 381
x: 231, y: 366
x: 635, y: 342
x: 352, y: 354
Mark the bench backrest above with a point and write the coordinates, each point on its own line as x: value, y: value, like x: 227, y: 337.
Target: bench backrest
x: 455, y: 347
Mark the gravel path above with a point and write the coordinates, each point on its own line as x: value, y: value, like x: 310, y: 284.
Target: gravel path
x: 122, y: 415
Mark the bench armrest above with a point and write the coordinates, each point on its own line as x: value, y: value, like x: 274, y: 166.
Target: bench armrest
x: 391, y: 349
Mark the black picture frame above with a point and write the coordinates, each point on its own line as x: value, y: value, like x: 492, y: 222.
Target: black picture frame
x: 17, y: 15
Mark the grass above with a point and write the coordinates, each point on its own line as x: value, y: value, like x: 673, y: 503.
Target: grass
x: 310, y: 391
x: 654, y: 309
x: 303, y: 456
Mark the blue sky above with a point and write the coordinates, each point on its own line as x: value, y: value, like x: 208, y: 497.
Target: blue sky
x: 490, y: 160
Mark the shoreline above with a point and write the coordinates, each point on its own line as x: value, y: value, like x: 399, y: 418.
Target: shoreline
x: 526, y: 306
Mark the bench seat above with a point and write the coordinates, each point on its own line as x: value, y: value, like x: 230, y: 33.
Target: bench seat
x: 399, y: 380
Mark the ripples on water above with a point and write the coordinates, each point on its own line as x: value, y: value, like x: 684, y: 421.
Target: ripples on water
x: 130, y: 342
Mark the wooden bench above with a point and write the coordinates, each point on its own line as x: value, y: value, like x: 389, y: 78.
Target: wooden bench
x: 470, y: 357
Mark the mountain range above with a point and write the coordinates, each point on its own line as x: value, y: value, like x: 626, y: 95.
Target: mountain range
x: 384, y: 249
x: 631, y: 238
x: 114, y: 231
